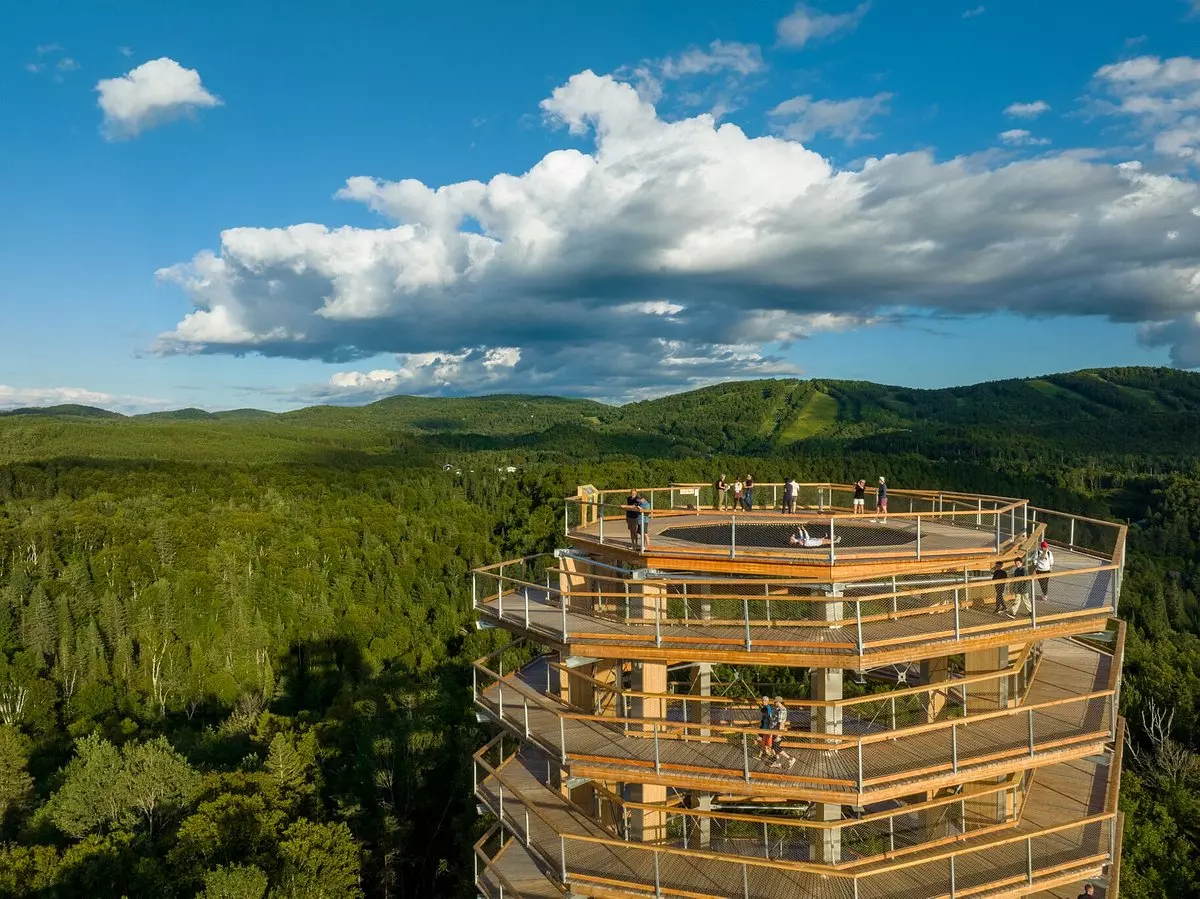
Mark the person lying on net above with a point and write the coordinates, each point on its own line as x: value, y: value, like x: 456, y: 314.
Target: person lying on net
x: 802, y: 538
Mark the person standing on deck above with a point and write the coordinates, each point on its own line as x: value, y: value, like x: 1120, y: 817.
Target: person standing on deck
x: 860, y: 497
x: 766, y: 721
x: 633, y: 515
x: 1043, y: 563
x: 720, y: 494
x: 999, y: 576
x: 737, y: 495
x: 781, y: 724
x: 1022, y: 590
x: 748, y: 501
x: 881, y: 497
x: 789, y: 496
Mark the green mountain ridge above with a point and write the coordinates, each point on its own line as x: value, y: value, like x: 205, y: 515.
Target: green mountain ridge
x: 1156, y: 409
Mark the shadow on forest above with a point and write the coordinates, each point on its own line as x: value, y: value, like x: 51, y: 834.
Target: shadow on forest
x: 316, y: 671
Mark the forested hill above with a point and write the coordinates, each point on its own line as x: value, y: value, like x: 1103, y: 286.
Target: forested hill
x: 235, y: 648
x: 1116, y: 411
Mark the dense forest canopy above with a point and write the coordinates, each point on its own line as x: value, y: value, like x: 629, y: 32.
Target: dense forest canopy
x: 234, y: 648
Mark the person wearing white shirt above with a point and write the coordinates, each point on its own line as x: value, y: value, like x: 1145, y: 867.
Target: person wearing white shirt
x: 1043, y: 563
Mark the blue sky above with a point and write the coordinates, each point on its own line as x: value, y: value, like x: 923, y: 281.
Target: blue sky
x: 662, y: 254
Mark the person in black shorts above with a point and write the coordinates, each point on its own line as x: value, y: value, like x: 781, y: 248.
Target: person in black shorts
x: 860, y: 497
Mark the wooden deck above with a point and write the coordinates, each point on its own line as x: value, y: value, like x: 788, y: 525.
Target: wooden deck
x: 709, y: 541
x: 1069, y: 697
x: 563, y: 837
x: 1080, y: 599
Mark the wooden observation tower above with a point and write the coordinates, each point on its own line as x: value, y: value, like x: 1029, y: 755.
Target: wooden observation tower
x: 943, y: 732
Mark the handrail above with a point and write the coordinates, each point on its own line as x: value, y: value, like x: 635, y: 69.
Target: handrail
x: 945, y: 686
x: 497, y: 773
x: 830, y: 871
x: 664, y: 728
x: 637, y: 627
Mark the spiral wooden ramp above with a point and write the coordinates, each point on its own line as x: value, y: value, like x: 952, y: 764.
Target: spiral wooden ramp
x: 948, y: 734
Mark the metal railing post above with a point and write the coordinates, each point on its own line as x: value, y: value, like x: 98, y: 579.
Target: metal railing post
x: 956, y: 606
x: 1071, y: 544
x: 562, y: 844
x: 858, y: 623
x: 527, y: 608
x: 746, y: 617
x: 997, y: 514
x: 657, y: 887
x: 1028, y: 860
x: 562, y: 739
x: 918, y: 538
x: 525, y: 702
x: 745, y: 881
x: 562, y: 601
x: 601, y: 526
x: 733, y: 537
x: 953, y: 885
x: 767, y: 594
x: 746, y: 757
x: 832, y: 541
x: 500, y: 696
x: 954, y: 747
x: 527, y: 837
x: 566, y: 522
x: 474, y: 591
x: 657, y: 765
x: 859, y: 781
x: 766, y: 842
x: 1031, y: 733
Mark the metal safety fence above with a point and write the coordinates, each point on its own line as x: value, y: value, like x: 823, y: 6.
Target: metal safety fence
x: 821, y: 760
x: 918, y: 525
x: 581, y: 604
x: 576, y: 848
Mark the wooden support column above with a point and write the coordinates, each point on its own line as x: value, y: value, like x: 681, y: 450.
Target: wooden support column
x: 700, y: 712
x: 649, y: 677
x: 987, y: 696
x: 935, y: 671
x: 826, y: 686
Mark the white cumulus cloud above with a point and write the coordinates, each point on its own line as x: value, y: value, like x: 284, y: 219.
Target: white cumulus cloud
x: 23, y: 397
x: 803, y: 118
x: 1019, y: 137
x: 973, y: 12
x: 805, y: 23
x: 1161, y: 95
x: 155, y: 92
x: 672, y: 253
x: 1027, y: 110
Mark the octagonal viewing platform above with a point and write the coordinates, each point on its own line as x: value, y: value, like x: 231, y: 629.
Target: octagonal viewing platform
x: 977, y: 754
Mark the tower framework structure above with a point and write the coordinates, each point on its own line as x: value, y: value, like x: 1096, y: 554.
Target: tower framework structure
x: 942, y: 717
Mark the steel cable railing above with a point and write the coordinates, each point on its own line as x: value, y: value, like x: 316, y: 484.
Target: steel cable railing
x: 744, y: 613
x: 859, y: 764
